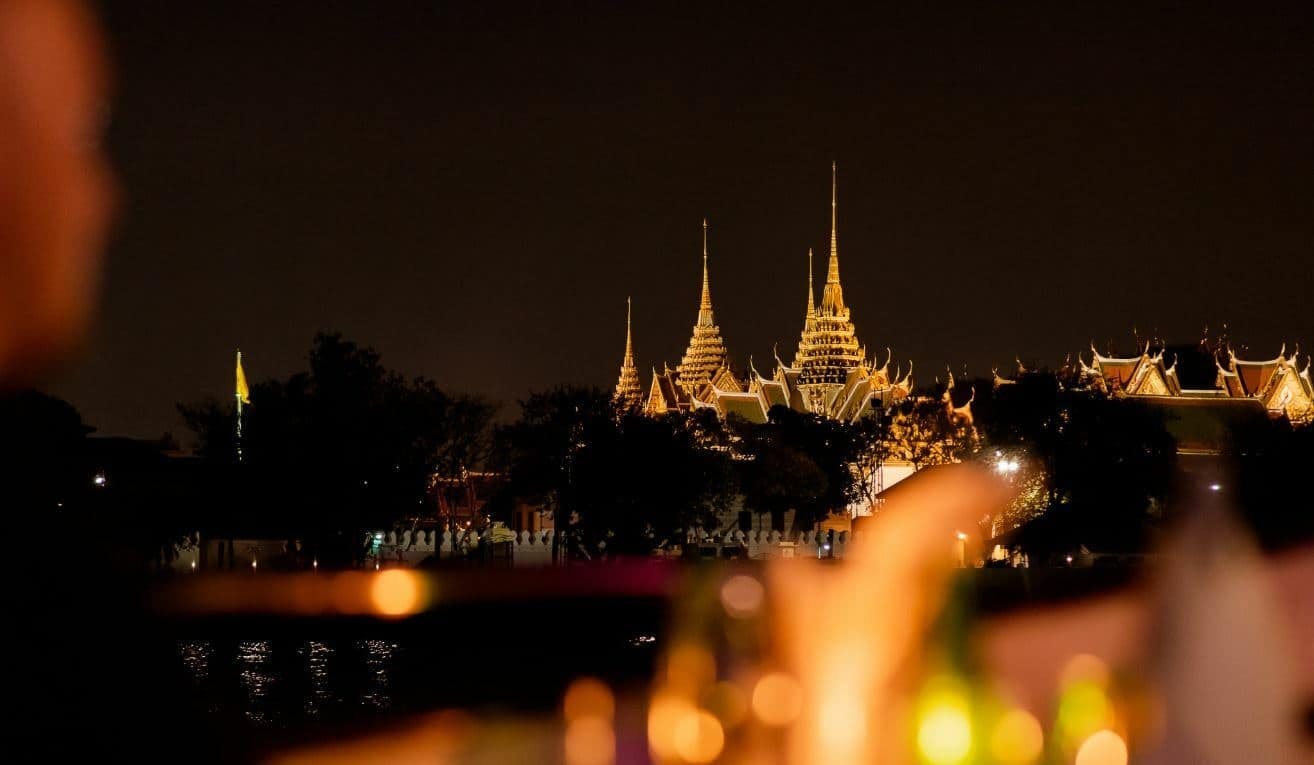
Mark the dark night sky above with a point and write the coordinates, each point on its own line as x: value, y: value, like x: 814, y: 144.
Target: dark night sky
x: 475, y: 189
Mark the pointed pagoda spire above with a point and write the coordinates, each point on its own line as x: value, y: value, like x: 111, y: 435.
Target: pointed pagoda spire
x: 628, y: 394
x: 706, y: 351
x: 705, y: 317
x: 832, y: 295
x: 828, y: 347
x: 629, y: 341
x: 832, y: 272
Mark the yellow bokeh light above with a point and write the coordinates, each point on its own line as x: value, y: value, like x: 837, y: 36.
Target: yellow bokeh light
x: 742, y: 596
x: 590, y: 741
x: 698, y: 737
x: 1017, y: 739
x: 1083, y: 709
x: 396, y: 592
x: 777, y: 699
x: 588, y: 697
x: 944, y: 734
x: 1102, y: 747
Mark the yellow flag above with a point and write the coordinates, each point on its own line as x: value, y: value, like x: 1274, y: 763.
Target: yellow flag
x: 243, y: 392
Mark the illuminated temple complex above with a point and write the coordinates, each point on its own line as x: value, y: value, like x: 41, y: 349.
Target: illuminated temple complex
x: 830, y: 374
x: 1277, y: 385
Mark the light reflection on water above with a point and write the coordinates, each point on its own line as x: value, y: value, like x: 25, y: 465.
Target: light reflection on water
x: 378, y: 664
x: 317, y: 658
x: 268, y: 683
x: 254, y: 658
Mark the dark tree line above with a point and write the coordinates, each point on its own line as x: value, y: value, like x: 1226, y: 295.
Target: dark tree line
x: 346, y: 446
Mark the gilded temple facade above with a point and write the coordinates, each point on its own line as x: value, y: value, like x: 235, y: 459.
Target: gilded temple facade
x: 1277, y: 385
x: 830, y: 374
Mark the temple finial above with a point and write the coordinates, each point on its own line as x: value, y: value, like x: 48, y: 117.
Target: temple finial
x: 832, y: 274
x: 705, y: 305
x: 629, y: 345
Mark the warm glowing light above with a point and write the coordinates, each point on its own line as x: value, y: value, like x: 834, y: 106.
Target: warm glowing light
x: 1017, y: 738
x: 689, y: 668
x: 664, y: 715
x: 1103, y: 747
x: 588, y: 697
x: 962, y: 537
x: 777, y: 699
x: 314, y: 563
x: 944, y: 726
x: 590, y: 741
x: 699, y: 737
x: 742, y: 596
x: 253, y: 564
x: 395, y: 592
x: 1083, y: 709
x: 1084, y: 667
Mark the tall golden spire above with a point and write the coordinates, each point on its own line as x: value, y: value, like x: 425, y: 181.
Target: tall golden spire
x: 832, y: 296
x: 705, y: 318
x: 628, y: 394
x: 805, y: 341
x: 706, y: 351
x: 832, y: 273
x: 829, y: 346
x: 629, y: 342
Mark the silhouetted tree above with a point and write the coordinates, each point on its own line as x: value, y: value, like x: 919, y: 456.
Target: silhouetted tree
x: 346, y: 446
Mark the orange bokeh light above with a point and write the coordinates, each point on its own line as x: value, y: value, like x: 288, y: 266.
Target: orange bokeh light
x: 588, y: 697
x: 777, y: 699
x: 396, y: 593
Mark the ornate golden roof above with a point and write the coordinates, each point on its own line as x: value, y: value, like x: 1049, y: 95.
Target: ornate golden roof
x: 828, y: 347
x: 706, y: 352
x: 629, y: 394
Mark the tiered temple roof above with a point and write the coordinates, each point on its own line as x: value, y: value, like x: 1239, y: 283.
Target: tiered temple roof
x: 706, y: 353
x: 1278, y: 385
x: 828, y: 347
x: 830, y: 375
x: 629, y: 394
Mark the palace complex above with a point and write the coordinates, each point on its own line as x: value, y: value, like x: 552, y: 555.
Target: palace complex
x: 831, y: 375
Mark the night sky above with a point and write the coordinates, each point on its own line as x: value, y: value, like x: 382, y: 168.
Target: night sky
x: 475, y: 188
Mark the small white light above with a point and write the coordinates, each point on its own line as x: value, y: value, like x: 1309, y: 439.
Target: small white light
x: 825, y: 547
x: 314, y: 563
x: 1069, y: 559
x: 253, y: 564
x: 1215, y: 487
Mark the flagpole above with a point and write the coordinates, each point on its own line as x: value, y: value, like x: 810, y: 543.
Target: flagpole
x: 237, y: 394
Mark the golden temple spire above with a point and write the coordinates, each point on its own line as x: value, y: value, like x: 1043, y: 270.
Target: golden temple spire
x: 828, y: 347
x: 628, y: 394
x: 832, y: 273
x: 629, y: 343
x: 705, y: 305
x: 705, y: 354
